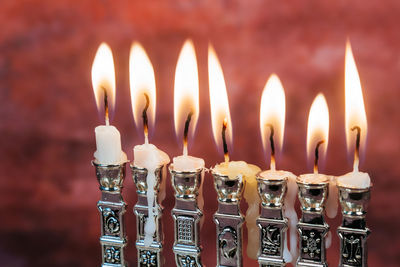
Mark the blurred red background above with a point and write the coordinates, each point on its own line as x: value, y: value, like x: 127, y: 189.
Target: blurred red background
x: 48, y: 190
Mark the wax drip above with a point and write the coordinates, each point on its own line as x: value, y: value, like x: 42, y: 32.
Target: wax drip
x: 357, y: 149
x: 106, y: 113
x: 271, y: 141
x: 226, y: 153
x: 185, y: 133
x: 145, y: 119
x: 317, y: 155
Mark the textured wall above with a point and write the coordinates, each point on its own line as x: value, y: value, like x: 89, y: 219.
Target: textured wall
x: 48, y: 191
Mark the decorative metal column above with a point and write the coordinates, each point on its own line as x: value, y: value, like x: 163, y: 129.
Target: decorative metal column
x: 187, y: 215
x: 112, y: 208
x: 147, y: 256
x: 228, y: 220
x: 353, y: 232
x: 271, y: 222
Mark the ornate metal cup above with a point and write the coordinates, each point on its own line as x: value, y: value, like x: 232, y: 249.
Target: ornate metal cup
x: 185, y: 184
x: 313, y: 196
x: 272, y: 191
x: 110, y: 177
x: 354, y: 201
x: 228, y: 190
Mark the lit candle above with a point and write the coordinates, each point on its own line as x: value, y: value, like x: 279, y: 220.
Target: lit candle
x: 108, y: 138
x: 148, y: 156
x: 272, y: 125
x: 317, y: 144
x: 221, y: 123
x: 356, y: 123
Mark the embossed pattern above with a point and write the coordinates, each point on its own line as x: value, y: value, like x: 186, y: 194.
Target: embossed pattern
x: 148, y: 258
x: 185, y: 229
x: 271, y: 240
x: 112, y: 254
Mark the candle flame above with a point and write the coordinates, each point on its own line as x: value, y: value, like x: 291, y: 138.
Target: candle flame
x: 354, y: 106
x: 186, y: 93
x: 272, y: 115
x: 103, y: 80
x: 318, y: 129
x: 218, y: 99
x: 142, y: 87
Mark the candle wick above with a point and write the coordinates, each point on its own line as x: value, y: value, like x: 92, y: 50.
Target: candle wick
x: 226, y: 153
x: 145, y: 119
x: 357, y: 149
x: 317, y: 156
x: 106, y: 114
x: 186, y: 132
x: 271, y: 141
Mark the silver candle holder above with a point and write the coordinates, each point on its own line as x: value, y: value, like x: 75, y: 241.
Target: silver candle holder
x: 147, y: 256
x: 187, y: 215
x: 353, y: 232
x: 112, y: 208
x: 228, y: 220
x: 271, y: 222
x: 312, y: 227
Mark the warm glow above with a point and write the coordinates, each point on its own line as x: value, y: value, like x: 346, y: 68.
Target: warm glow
x: 318, y: 126
x: 354, y: 102
x: 272, y: 112
x: 103, y: 77
x: 218, y: 99
x: 142, y: 81
x: 186, y: 90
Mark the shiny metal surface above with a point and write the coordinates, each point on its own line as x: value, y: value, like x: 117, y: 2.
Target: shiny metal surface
x: 353, y: 232
x: 272, y: 224
x: 186, y: 215
x: 312, y: 227
x: 228, y: 220
x: 112, y: 209
x: 147, y: 256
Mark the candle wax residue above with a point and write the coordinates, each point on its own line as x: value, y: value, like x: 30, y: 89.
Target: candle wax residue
x: 248, y: 172
x: 355, y: 180
x: 150, y: 157
x: 313, y: 178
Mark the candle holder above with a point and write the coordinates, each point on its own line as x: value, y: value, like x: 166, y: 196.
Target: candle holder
x: 271, y: 222
x: 353, y: 232
x: 187, y: 215
x: 312, y: 227
x: 147, y: 256
x: 228, y: 220
x: 112, y: 208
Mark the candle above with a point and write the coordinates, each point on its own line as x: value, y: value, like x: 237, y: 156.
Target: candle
x: 186, y: 112
x: 108, y: 138
x: 272, y: 124
x: 317, y: 144
x: 186, y: 106
x: 148, y: 156
x: 356, y: 123
x: 221, y: 123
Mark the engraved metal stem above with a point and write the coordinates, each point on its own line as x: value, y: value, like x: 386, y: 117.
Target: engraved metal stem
x: 353, y: 232
x: 187, y: 215
x: 271, y: 222
x: 147, y: 256
x: 112, y: 208
x: 312, y: 227
x: 228, y: 220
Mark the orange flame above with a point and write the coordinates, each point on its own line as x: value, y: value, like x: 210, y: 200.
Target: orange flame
x: 103, y: 79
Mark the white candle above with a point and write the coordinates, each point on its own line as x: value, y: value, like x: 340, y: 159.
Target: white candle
x: 247, y: 172
x: 108, y: 143
x: 150, y: 157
